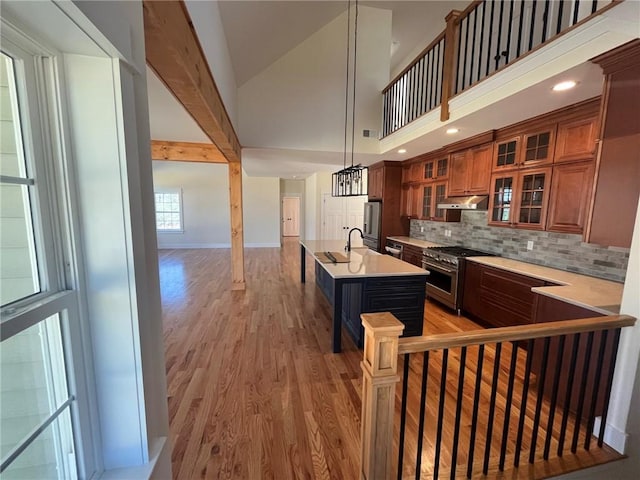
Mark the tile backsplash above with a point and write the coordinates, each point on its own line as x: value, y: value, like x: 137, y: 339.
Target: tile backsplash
x: 557, y: 250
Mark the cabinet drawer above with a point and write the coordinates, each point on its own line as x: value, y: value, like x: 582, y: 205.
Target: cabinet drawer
x: 497, y: 297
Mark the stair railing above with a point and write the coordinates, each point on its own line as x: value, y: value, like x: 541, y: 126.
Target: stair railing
x: 471, y: 401
x: 484, y: 38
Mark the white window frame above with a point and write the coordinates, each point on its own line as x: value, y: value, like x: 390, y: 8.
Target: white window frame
x: 173, y: 191
x: 41, y: 101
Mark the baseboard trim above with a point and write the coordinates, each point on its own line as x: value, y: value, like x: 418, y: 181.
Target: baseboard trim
x: 174, y: 246
x: 614, y: 437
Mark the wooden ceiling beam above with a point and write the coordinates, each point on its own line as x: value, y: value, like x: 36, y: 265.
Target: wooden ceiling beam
x: 174, y: 53
x: 186, y: 152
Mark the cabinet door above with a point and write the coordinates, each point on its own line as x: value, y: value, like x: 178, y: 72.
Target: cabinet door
x: 479, y: 169
x: 501, y: 197
x: 506, y: 154
x: 538, y: 147
x: 427, y: 202
x: 439, y: 194
x: 576, y: 140
x: 416, y: 201
x: 428, y: 170
x: 406, y: 173
x: 417, y: 171
x: 376, y: 180
x: 442, y: 168
x: 405, y: 202
x: 458, y: 176
x: 569, y: 200
x: 532, y: 198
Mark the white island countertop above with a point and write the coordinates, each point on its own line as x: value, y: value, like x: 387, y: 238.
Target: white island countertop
x: 599, y: 295
x: 363, y: 262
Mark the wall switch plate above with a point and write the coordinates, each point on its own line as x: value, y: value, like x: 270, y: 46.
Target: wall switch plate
x: 447, y: 233
x: 530, y: 245
x: 421, y: 229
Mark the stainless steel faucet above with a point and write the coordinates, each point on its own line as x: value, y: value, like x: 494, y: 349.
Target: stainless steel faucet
x: 348, y: 246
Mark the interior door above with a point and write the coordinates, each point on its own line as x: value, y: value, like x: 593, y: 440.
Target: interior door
x: 333, y: 224
x: 355, y: 212
x: 291, y: 217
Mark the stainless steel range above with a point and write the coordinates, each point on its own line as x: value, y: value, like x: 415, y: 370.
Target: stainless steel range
x: 447, y: 266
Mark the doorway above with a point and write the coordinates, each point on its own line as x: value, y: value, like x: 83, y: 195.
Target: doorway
x: 340, y: 214
x: 290, y: 216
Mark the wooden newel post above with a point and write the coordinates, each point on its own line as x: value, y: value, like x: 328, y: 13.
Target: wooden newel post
x: 379, y: 367
x: 450, y: 48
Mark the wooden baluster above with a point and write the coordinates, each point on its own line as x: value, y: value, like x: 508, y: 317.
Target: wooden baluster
x: 379, y: 367
x: 450, y: 47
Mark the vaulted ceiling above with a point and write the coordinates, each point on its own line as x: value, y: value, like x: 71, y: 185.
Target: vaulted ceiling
x: 288, y: 58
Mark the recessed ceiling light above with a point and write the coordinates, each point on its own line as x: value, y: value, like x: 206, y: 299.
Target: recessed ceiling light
x: 559, y: 87
x: 451, y: 131
x: 402, y: 150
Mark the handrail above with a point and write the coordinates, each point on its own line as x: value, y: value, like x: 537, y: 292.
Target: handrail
x: 477, y: 42
x: 512, y: 334
x: 414, y: 61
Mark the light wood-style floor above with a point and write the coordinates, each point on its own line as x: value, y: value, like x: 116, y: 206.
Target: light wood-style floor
x: 253, y: 389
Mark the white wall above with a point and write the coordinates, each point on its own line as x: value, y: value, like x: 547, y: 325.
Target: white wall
x: 307, y: 78
x: 310, y: 210
x: 205, y: 200
x: 208, y: 25
x: 261, y: 205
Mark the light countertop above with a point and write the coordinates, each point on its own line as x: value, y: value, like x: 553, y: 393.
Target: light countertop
x: 416, y: 242
x: 602, y: 296
x: 363, y: 262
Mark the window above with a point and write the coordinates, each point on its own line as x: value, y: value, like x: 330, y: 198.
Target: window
x: 42, y: 398
x: 169, y: 211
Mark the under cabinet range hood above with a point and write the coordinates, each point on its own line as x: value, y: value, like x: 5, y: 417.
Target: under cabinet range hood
x: 469, y: 202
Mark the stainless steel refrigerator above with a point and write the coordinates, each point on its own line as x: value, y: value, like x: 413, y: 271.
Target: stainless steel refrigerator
x: 371, y: 227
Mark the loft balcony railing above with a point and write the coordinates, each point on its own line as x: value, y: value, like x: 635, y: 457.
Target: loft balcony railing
x: 513, y: 401
x: 483, y: 39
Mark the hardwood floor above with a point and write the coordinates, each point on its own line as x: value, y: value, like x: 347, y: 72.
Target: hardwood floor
x: 253, y: 389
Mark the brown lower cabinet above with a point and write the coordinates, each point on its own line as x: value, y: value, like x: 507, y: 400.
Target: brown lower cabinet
x: 548, y: 309
x: 412, y: 255
x: 496, y: 297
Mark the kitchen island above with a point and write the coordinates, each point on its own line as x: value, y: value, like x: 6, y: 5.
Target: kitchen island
x: 367, y: 282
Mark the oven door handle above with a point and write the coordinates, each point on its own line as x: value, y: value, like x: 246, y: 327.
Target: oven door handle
x: 428, y: 266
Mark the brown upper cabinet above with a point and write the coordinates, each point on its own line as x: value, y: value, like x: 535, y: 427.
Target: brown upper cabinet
x: 576, y: 140
x: 531, y: 149
x: 435, y: 169
x: 520, y: 198
x: 471, y: 171
x: 570, y: 191
x: 506, y: 154
x: 416, y: 172
x: 376, y: 182
x: 537, y: 147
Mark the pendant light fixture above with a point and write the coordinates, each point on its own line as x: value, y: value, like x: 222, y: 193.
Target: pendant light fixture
x: 350, y: 181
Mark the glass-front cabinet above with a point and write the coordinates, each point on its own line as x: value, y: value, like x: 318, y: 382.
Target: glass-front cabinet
x: 431, y: 195
x: 519, y: 199
x: 529, y: 150
x: 436, y: 169
x: 427, y: 202
x: 506, y: 154
x: 538, y: 147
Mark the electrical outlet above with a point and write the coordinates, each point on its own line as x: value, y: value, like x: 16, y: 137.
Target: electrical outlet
x: 530, y: 245
x: 421, y: 229
x: 447, y: 233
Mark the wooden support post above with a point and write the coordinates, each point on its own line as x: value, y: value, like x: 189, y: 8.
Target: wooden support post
x: 237, y: 235
x: 379, y: 367
x: 450, y: 48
